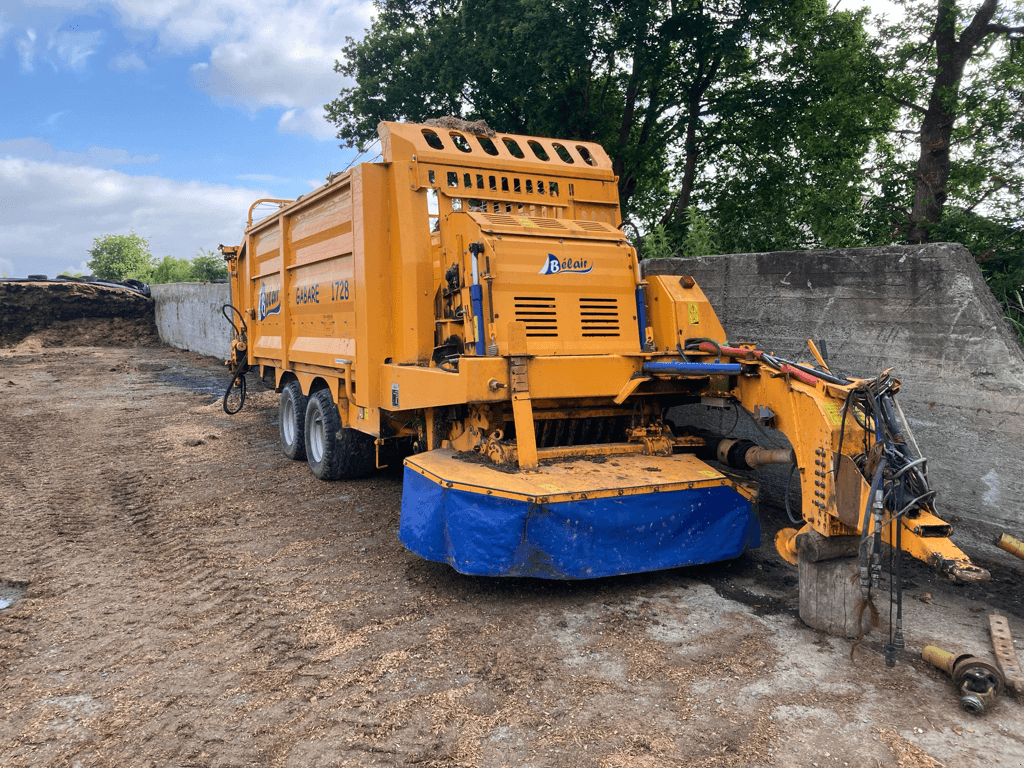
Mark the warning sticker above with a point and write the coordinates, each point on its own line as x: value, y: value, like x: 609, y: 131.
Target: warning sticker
x: 694, y: 313
x: 832, y: 409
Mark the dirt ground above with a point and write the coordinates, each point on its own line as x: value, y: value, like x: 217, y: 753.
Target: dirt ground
x: 183, y: 595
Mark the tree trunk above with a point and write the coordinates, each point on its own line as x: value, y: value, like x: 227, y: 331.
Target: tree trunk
x: 952, y: 55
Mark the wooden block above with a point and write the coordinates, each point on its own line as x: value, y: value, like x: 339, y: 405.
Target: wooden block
x: 815, y: 547
x: 830, y: 597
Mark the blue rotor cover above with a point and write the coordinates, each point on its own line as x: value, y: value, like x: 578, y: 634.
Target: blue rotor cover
x: 486, y: 535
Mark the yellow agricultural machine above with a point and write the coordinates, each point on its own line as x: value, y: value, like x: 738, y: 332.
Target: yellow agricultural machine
x: 470, y: 305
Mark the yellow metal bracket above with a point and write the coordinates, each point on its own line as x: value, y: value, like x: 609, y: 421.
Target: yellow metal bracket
x: 522, y: 413
x: 629, y: 388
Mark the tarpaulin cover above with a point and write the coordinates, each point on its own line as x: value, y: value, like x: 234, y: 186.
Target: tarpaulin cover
x: 490, y: 536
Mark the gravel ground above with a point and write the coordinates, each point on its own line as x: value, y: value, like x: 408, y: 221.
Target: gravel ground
x: 180, y: 594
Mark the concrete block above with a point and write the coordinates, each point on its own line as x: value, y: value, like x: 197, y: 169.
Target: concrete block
x: 188, y: 316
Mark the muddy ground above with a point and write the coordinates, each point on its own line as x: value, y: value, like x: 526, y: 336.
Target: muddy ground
x: 183, y: 595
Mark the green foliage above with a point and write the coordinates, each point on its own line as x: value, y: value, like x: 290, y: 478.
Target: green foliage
x: 204, y: 266
x: 207, y: 265
x: 700, y: 238
x: 123, y: 257
x: 657, y: 244
x: 120, y: 257
x: 69, y: 273
x: 172, y: 270
x: 986, y: 105
x: 675, y: 92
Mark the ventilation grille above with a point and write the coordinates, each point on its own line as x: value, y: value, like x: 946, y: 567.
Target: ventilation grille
x: 539, y: 314
x: 599, y: 317
x: 524, y: 221
x: 593, y: 226
x: 501, y: 219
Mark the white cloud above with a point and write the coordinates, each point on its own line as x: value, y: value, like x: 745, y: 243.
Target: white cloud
x: 128, y: 62
x: 26, y: 46
x: 260, y: 177
x: 74, y: 48
x: 262, y: 53
x: 309, y: 121
x: 38, y: 149
x: 53, y: 211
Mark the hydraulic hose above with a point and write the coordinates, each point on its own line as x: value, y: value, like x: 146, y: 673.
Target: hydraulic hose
x: 239, y: 376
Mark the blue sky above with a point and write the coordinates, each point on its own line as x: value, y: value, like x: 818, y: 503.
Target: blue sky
x: 166, y: 117
x: 163, y: 117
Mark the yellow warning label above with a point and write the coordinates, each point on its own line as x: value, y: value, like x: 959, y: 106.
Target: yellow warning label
x: 694, y: 313
x: 832, y: 409
x: 525, y: 221
x: 710, y: 473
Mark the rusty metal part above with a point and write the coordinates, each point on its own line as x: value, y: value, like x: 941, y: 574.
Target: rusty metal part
x: 977, y: 681
x: 958, y: 569
x: 742, y: 454
x: 655, y: 439
x: 507, y: 452
x: 758, y: 457
x: 1008, y: 543
x: 1006, y: 657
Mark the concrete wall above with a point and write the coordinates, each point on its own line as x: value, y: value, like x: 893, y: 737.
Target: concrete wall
x: 923, y: 310
x: 188, y: 316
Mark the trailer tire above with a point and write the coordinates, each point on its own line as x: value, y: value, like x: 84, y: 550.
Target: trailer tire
x: 335, y: 453
x: 291, y: 418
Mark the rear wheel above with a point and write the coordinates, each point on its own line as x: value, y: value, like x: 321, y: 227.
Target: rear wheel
x: 292, y: 421
x: 334, y: 453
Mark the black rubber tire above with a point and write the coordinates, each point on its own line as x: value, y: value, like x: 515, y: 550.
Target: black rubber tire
x: 291, y: 421
x: 334, y: 453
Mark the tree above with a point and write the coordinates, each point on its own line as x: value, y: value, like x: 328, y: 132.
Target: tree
x: 670, y: 88
x: 204, y: 266
x: 207, y: 265
x: 960, y: 77
x: 172, y: 270
x: 120, y: 257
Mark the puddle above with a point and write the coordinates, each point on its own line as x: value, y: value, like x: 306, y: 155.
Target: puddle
x: 201, y: 385
x: 10, y: 593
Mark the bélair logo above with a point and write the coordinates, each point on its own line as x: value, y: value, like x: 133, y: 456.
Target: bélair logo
x: 270, y: 302
x: 553, y: 266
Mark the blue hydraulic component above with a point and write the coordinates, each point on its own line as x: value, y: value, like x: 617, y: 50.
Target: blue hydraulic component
x: 641, y: 315
x: 476, y: 295
x: 683, y: 367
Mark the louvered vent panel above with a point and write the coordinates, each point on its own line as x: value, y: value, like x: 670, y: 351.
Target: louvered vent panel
x: 599, y: 317
x: 501, y: 219
x: 539, y: 313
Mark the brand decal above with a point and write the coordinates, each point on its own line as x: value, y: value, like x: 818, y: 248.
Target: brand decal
x: 270, y: 302
x: 553, y: 266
